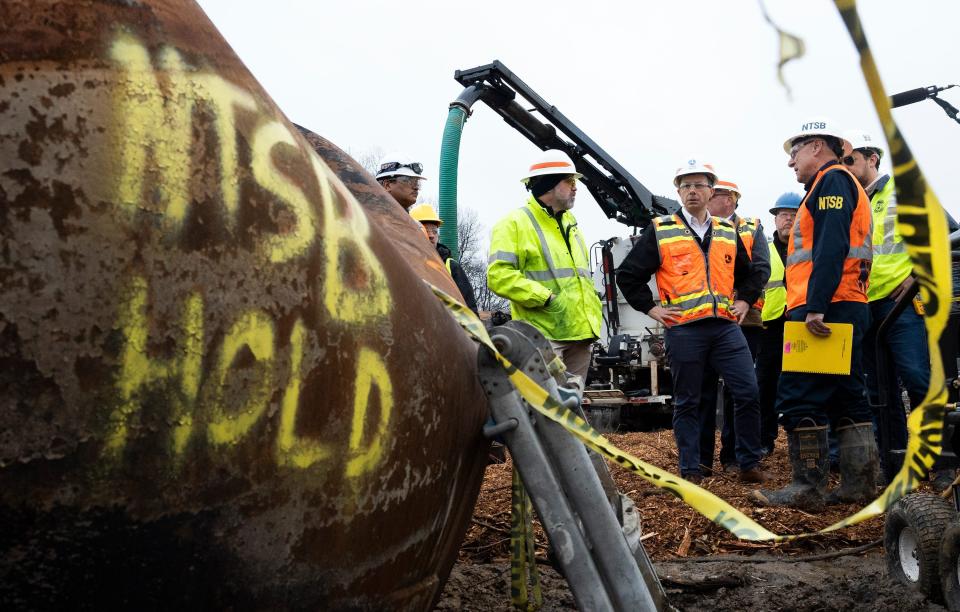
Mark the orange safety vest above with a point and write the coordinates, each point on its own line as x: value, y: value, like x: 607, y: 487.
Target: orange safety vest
x: 856, y: 266
x: 747, y: 227
x: 701, y: 284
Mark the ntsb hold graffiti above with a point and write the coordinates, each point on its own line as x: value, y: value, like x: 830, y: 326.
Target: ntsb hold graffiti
x: 219, y: 364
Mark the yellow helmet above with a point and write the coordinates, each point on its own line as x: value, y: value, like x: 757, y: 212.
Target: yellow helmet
x: 425, y: 213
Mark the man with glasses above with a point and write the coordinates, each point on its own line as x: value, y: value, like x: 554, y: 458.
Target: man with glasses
x: 401, y: 179
x: 828, y: 265
x: 539, y: 261
x: 699, y: 262
x: 906, y: 351
x: 723, y: 204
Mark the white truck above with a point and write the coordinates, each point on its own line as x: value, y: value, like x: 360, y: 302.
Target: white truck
x: 629, y: 382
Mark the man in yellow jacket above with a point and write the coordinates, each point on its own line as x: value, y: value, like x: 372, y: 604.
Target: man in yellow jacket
x: 905, y: 342
x: 539, y: 261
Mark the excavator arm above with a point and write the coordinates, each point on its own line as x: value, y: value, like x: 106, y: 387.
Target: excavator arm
x: 621, y: 196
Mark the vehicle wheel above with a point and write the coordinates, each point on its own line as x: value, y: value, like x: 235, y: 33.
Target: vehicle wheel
x: 911, y: 538
x: 949, y: 561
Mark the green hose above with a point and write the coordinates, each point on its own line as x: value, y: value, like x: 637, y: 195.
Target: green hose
x: 449, y: 158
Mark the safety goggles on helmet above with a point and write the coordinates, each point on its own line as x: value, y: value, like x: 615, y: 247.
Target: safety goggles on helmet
x: 394, y: 166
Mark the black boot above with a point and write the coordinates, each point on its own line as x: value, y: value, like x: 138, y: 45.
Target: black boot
x: 859, y: 463
x: 809, y: 458
x: 941, y: 479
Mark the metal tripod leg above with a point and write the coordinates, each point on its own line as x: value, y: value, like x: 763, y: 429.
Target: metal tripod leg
x: 604, y: 529
x: 622, y: 581
x: 545, y: 491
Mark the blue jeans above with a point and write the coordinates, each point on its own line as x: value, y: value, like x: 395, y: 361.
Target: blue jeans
x: 907, y: 357
x: 720, y: 345
x: 825, y: 398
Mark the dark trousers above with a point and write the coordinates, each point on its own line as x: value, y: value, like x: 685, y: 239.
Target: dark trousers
x: 825, y: 398
x: 949, y: 347
x: 708, y: 410
x: 769, y: 362
x: 720, y: 345
x: 907, y: 357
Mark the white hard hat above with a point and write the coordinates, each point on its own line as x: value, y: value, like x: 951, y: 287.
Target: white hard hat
x: 860, y: 139
x: 817, y: 126
x: 728, y: 186
x: 551, y: 161
x: 399, y: 164
x: 694, y: 166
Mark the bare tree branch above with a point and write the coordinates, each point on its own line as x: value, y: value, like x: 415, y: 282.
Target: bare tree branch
x: 370, y: 160
x: 472, y: 244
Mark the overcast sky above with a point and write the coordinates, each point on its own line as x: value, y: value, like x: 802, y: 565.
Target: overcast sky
x: 652, y: 83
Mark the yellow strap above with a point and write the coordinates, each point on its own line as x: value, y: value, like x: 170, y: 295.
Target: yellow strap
x: 929, y: 250
x: 921, y: 451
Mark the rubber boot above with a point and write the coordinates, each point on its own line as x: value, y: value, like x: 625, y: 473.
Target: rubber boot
x: 859, y: 462
x: 809, y: 458
x: 941, y: 479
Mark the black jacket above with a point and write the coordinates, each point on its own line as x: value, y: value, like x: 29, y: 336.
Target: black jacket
x: 459, y: 276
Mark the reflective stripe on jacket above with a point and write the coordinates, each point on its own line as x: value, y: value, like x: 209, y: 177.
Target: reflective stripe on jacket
x: 891, y: 262
x: 747, y: 228
x: 700, y: 284
x: 775, y: 293
x: 856, y: 266
x: 530, y: 259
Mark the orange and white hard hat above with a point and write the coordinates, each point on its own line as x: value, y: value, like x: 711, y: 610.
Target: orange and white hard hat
x: 551, y: 161
x: 728, y: 186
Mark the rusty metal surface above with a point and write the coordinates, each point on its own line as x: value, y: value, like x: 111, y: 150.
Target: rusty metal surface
x: 405, y: 233
x: 222, y: 381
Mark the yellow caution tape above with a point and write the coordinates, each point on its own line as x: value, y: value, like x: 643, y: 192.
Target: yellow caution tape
x: 922, y: 224
x: 791, y: 47
x: 701, y: 500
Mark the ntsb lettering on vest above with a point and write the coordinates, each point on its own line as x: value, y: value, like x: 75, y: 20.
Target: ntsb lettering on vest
x: 828, y: 202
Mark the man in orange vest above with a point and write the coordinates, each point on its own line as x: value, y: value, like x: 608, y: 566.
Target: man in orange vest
x: 723, y: 204
x: 699, y: 261
x: 828, y: 266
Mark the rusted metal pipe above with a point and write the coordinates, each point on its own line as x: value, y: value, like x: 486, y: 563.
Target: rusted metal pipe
x: 222, y: 380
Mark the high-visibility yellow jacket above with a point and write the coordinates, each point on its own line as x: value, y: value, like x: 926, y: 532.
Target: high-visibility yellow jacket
x: 775, y: 293
x: 891, y: 262
x: 530, y: 259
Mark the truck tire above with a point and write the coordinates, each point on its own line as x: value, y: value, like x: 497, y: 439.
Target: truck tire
x: 911, y: 540
x: 949, y: 562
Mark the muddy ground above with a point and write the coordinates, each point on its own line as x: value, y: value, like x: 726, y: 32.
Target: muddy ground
x: 679, y: 540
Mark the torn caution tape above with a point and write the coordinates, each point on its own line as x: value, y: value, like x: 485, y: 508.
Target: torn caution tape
x: 923, y: 225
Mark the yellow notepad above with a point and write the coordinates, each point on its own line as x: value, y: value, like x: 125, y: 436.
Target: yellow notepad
x: 804, y: 352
